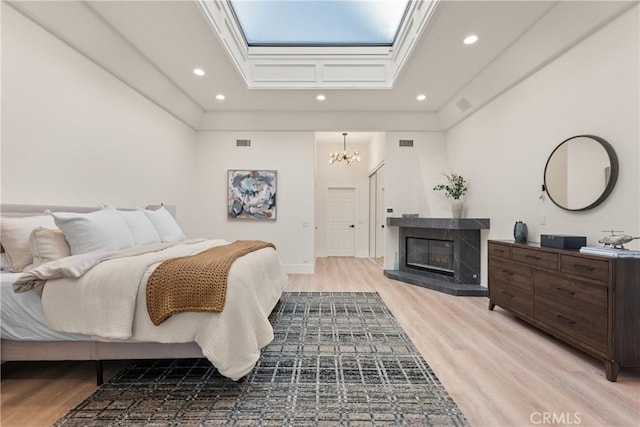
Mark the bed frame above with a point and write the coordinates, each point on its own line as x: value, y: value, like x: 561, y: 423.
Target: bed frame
x: 86, y: 350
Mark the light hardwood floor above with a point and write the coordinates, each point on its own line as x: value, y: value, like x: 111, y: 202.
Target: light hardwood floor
x: 500, y: 371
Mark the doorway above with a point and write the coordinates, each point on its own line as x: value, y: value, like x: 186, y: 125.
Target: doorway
x: 341, y: 217
x: 377, y: 215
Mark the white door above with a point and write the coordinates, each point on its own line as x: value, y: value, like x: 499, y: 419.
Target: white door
x: 341, y: 220
x: 377, y: 216
x: 373, y: 214
x: 381, y: 216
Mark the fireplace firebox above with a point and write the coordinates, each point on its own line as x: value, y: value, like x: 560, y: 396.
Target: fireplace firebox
x: 430, y: 254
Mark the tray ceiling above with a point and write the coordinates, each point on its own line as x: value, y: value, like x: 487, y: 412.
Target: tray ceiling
x: 153, y: 46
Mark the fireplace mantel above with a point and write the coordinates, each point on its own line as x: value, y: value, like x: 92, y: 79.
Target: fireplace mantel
x: 441, y: 223
x: 464, y: 235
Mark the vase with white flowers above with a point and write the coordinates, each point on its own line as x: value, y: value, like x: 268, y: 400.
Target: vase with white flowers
x: 455, y: 188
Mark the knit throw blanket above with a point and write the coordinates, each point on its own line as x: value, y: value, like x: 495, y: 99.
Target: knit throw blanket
x: 196, y: 282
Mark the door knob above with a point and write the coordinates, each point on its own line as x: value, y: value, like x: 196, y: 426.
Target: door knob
x: 352, y: 226
x: 382, y: 226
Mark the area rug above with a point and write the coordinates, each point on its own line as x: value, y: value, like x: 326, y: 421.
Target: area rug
x: 338, y: 358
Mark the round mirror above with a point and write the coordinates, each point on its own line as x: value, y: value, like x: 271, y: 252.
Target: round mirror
x: 581, y: 172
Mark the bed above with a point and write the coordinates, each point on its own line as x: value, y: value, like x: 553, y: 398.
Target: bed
x: 230, y: 339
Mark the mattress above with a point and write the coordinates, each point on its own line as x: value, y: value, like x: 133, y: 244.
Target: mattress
x: 22, y: 316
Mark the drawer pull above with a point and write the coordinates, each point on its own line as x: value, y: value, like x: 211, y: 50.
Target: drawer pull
x: 566, y: 319
x: 565, y: 291
x: 584, y: 267
x: 499, y: 250
x: 510, y: 273
x: 534, y: 257
x: 507, y: 294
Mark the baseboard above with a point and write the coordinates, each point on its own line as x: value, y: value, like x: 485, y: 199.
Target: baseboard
x: 300, y: 268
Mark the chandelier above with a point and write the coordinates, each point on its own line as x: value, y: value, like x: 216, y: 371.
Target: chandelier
x: 338, y: 157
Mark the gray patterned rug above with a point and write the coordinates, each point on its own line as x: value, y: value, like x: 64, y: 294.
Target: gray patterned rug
x: 338, y: 358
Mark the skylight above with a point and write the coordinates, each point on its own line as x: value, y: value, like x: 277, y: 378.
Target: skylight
x: 318, y: 44
x: 320, y: 22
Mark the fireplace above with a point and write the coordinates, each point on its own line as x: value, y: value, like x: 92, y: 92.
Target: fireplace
x: 440, y: 253
x: 430, y: 255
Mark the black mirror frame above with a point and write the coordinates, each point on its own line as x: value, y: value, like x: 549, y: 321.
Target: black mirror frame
x: 613, y: 178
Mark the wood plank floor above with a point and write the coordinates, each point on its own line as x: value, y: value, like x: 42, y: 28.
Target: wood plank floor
x: 500, y: 371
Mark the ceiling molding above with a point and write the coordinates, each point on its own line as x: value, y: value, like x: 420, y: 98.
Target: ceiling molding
x: 418, y: 16
x: 326, y: 67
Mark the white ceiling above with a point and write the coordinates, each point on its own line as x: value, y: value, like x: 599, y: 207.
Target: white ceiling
x: 153, y: 46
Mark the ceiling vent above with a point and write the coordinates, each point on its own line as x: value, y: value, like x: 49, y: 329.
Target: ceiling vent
x: 243, y: 143
x: 406, y: 143
x: 463, y: 104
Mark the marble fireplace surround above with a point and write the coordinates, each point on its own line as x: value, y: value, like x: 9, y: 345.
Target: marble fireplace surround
x: 465, y: 234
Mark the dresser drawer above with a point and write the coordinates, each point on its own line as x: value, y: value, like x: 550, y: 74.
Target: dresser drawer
x: 498, y: 250
x: 589, y: 300
x: 585, y: 267
x: 516, y: 275
x: 535, y: 257
x: 510, y: 297
x: 581, y: 326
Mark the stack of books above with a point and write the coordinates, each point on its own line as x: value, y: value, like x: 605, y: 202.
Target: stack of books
x: 611, y: 252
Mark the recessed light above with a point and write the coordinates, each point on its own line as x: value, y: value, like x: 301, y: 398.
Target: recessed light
x: 220, y: 97
x: 470, y: 39
x: 421, y: 97
x: 321, y: 97
x: 198, y: 71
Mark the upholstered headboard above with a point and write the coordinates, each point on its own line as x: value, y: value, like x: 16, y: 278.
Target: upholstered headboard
x: 9, y: 209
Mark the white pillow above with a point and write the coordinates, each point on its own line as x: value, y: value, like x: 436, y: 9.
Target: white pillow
x: 14, y: 234
x: 5, y: 265
x: 103, y: 230
x: 165, y: 225
x: 48, y: 244
x: 142, y: 230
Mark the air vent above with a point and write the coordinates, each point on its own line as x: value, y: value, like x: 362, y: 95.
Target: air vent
x: 463, y: 104
x: 406, y: 143
x: 243, y: 143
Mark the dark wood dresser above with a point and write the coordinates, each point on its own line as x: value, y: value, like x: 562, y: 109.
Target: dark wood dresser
x: 591, y: 302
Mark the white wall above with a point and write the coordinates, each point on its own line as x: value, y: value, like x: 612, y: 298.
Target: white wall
x: 72, y: 134
x: 377, y: 148
x: 410, y: 175
x: 341, y: 175
x: 502, y: 149
x: 291, y: 154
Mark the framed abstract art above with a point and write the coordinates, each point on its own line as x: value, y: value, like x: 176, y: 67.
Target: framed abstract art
x: 252, y: 194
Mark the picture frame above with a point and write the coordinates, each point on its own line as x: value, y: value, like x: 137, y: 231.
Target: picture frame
x: 252, y: 194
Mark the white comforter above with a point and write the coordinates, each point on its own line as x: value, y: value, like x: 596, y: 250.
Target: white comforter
x: 109, y: 303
